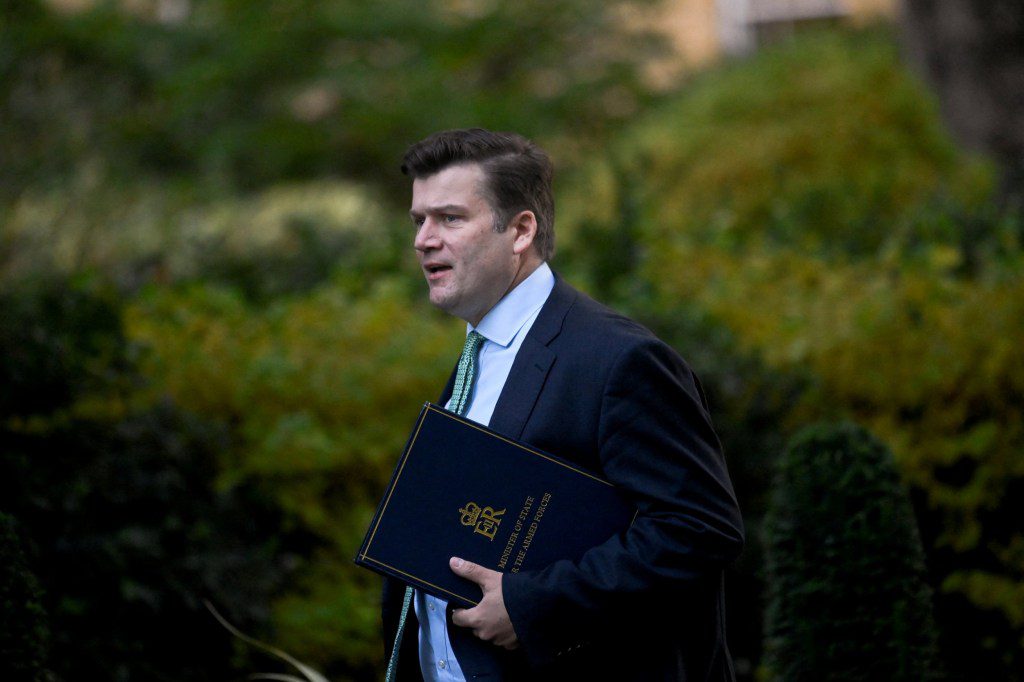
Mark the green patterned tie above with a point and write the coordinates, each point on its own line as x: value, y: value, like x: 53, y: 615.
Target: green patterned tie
x: 465, y: 375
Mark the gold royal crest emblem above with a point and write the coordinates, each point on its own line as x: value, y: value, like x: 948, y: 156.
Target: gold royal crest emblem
x: 485, y: 519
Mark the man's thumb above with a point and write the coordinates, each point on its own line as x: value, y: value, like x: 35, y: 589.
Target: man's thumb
x: 466, y: 569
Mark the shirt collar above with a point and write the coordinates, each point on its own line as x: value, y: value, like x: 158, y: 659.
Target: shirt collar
x: 501, y: 324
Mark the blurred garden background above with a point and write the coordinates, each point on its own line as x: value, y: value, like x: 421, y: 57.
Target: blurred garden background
x: 214, y: 336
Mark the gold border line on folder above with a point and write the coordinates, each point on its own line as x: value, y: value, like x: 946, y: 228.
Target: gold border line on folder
x: 518, y: 445
x: 425, y: 582
x: 405, y: 458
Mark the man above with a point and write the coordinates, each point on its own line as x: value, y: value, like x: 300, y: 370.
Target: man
x: 571, y: 377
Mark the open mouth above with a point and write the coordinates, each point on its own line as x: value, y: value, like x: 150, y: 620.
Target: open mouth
x: 435, y: 269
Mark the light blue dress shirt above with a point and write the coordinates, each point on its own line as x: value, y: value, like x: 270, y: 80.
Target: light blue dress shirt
x: 503, y: 328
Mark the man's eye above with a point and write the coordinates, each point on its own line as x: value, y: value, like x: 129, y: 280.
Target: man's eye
x: 448, y: 218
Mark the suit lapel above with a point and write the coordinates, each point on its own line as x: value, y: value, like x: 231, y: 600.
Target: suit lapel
x: 532, y: 364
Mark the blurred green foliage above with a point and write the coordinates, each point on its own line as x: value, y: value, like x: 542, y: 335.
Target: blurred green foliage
x: 244, y: 93
x: 116, y: 500
x: 285, y: 239
x: 848, y: 597
x: 828, y: 147
x: 798, y: 224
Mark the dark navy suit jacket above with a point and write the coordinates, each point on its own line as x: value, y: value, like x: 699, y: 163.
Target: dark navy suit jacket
x: 596, y: 388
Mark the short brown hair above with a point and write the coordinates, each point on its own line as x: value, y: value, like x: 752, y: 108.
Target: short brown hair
x: 518, y: 174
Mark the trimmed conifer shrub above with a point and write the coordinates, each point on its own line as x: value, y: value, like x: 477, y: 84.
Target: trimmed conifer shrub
x: 847, y: 595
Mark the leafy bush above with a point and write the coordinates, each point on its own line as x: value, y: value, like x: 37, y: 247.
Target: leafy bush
x: 284, y: 239
x: 848, y: 597
x: 124, y: 527
x: 826, y: 145
x: 932, y: 363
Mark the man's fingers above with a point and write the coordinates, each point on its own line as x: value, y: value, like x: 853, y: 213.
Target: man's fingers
x: 470, y: 618
x: 489, y: 619
x: 460, y: 618
x: 467, y: 618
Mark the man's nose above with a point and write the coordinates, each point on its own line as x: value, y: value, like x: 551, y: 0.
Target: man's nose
x: 426, y: 236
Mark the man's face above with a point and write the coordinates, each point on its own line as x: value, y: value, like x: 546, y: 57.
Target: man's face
x: 468, y: 266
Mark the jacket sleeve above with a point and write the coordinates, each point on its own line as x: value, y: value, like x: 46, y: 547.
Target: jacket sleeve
x: 657, y: 444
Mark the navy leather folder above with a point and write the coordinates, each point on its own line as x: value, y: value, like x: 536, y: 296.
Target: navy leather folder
x: 463, y: 490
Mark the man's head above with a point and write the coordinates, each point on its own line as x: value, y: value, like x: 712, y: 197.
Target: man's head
x: 478, y: 202
x: 517, y: 175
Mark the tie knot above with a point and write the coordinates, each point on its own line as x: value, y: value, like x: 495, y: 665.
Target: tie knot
x: 473, y: 342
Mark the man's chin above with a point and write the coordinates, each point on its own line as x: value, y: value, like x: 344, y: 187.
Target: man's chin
x: 442, y: 299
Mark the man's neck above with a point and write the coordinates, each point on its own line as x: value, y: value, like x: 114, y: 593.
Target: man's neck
x: 529, y: 266
x: 526, y: 268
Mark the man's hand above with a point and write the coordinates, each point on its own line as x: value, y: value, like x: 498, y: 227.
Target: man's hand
x: 489, y: 619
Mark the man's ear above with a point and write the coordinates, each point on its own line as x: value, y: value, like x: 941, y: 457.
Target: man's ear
x: 524, y: 227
